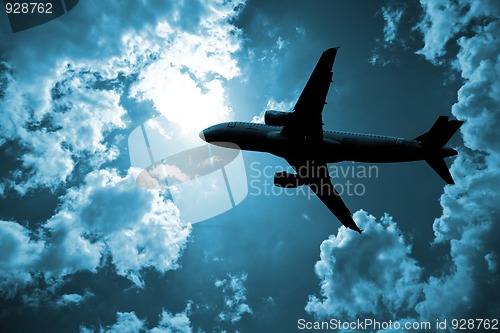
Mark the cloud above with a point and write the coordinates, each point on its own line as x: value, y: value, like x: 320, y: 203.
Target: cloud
x: 19, y: 254
x: 69, y: 97
x: 64, y: 109
x: 444, y: 19
x: 179, y: 322
x: 259, y: 119
x: 12, y: 105
x: 375, y: 276
x: 26, y: 255
x: 282, y: 43
x: 80, y: 118
x: 300, y: 30
x: 73, y: 299
x: 467, y: 286
x: 391, y: 19
x: 471, y: 207
x: 128, y: 322
x: 376, y: 58
x: 107, y: 215
x: 272, y: 104
x: 380, y: 53
x: 185, y: 83
x: 234, y: 298
x: 140, y: 228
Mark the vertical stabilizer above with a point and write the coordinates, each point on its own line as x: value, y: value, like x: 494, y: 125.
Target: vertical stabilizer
x: 440, y: 133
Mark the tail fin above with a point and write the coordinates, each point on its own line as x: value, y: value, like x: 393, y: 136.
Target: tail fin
x: 439, y: 134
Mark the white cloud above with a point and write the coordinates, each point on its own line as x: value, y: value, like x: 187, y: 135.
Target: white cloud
x: 178, y: 322
x: 185, y: 84
x: 72, y: 127
x: 468, y: 284
x: 24, y: 255
x: 374, y: 275
x: 471, y: 211
x: 234, y: 298
x: 19, y: 254
x: 284, y: 105
x: 73, y: 299
x: 62, y: 100
x: 444, y: 19
x: 391, y: 18
x: 471, y: 207
x: 259, y: 119
x: 272, y: 104
x: 282, y: 43
x: 107, y: 214
x: 128, y: 322
x: 140, y: 228
x: 181, y: 71
x: 12, y: 104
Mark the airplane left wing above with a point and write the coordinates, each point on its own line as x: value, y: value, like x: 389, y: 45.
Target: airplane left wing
x: 321, y: 184
x: 306, y: 121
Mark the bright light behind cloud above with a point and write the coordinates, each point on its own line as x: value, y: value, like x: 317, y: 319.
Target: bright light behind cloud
x: 186, y: 83
x: 181, y: 100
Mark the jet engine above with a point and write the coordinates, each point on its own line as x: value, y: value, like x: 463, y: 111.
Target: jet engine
x: 276, y: 118
x: 287, y: 180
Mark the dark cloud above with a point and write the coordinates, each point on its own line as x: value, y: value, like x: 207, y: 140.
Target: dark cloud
x: 470, y: 209
x: 377, y: 276
x: 88, y: 78
x: 68, y: 101
x: 464, y: 286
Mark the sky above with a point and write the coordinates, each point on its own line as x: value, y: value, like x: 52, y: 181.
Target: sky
x: 85, y: 248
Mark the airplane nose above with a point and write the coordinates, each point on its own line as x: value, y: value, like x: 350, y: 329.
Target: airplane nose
x: 202, y: 135
x: 211, y: 134
x: 207, y: 134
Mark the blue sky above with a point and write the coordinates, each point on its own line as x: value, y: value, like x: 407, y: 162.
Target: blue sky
x: 83, y: 248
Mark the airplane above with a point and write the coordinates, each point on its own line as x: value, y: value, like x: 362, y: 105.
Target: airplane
x: 299, y: 138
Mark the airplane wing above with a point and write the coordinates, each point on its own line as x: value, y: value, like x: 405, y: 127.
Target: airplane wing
x: 321, y: 184
x: 306, y: 120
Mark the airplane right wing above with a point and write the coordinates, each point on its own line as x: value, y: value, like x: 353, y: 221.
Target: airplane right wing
x: 321, y: 184
x: 326, y: 192
x: 306, y: 120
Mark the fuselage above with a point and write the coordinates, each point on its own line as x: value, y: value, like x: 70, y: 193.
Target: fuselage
x: 335, y: 147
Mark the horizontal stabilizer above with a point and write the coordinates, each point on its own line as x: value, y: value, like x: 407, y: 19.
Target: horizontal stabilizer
x: 440, y: 133
x: 439, y: 165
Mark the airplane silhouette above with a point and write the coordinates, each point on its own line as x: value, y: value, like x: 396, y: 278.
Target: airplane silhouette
x: 299, y: 138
